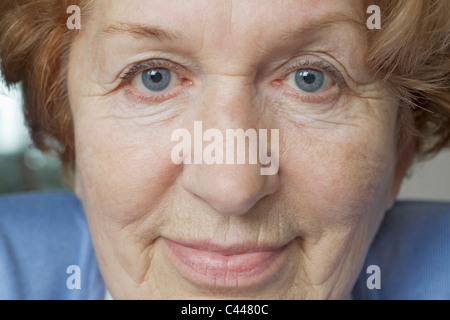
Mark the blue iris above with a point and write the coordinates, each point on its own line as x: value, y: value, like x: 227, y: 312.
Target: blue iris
x: 309, y: 80
x: 157, y: 79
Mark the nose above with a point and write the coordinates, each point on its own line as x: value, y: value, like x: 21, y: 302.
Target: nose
x: 232, y: 187
x: 229, y: 189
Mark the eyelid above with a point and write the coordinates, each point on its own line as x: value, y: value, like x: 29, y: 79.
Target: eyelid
x: 135, y: 69
x: 127, y: 77
x: 320, y: 65
x: 317, y: 98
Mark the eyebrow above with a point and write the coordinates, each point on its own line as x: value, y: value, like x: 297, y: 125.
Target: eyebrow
x: 137, y: 30
x: 140, y: 31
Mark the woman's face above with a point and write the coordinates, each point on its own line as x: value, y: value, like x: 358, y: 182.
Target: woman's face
x: 141, y: 69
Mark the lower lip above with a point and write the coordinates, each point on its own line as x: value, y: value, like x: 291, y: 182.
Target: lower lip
x: 211, y: 269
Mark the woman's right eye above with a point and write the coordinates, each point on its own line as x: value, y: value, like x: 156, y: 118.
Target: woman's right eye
x: 154, y: 80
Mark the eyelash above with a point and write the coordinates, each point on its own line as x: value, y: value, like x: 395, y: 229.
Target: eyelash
x: 142, y: 66
x: 305, y: 97
x: 314, y: 98
x: 318, y: 64
x: 134, y: 70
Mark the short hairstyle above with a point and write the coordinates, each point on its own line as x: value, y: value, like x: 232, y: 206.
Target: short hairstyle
x: 410, y: 55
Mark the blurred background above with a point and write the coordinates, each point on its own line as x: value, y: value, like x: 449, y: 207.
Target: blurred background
x: 24, y: 168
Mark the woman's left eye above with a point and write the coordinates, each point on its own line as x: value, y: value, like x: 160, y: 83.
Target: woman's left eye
x: 310, y: 80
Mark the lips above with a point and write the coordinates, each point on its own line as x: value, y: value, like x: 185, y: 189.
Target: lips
x: 233, y: 266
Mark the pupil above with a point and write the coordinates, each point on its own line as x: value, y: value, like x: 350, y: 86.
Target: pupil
x: 309, y: 78
x: 156, y: 76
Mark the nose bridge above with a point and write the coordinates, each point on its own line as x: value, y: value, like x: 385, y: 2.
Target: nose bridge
x: 230, y: 119
x: 230, y: 102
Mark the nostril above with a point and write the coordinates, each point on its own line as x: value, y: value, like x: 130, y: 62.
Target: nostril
x: 229, y: 189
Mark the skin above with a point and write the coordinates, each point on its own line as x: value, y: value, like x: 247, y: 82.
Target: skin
x: 339, y: 166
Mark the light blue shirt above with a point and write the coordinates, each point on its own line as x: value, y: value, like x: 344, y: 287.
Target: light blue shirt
x: 46, y: 251
x: 41, y: 236
x: 412, y: 250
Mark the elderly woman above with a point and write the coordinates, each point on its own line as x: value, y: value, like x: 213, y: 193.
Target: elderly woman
x: 139, y: 103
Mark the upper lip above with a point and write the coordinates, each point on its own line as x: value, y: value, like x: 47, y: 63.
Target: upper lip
x: 228, y: 249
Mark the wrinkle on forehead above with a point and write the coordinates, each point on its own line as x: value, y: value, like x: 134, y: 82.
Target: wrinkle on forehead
x: 223, y: 22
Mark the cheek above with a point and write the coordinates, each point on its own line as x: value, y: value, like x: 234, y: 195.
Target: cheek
x: 343, y: 173
x: 124, y: 170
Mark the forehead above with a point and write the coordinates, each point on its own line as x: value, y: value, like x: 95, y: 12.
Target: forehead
x: 216, y: 21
